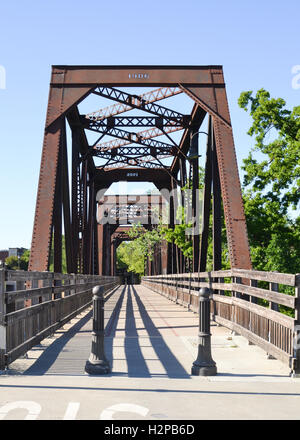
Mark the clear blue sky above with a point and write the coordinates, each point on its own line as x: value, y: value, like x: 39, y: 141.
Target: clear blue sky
x: 257, y: 42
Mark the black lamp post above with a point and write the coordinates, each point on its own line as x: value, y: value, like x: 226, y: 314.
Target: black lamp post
x: 193, y: 151
x: 204, y: 365
x: 97, y: 362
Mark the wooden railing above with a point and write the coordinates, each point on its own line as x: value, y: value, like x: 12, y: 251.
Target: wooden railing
x: 261, y: 306
x: 40, y: 303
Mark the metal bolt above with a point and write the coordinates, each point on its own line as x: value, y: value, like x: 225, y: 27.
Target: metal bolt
x: 204, y: 365
x: 97, y: 362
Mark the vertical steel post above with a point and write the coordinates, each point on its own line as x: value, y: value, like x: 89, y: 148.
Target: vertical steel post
x: 204, y: 365
x: 57, y: 218
x: 75, y: 198
x: 183, y: 182
x: 91, y: 225
x: 95, y: 248
x: 173, y: 204
x: 195, y: 198
x: 206, y: 204
x: 112, y: 257
x: 97, y: 362
x: 66, y: 202
x: 85, y: 231
x: 100, y: 231
x: 43, y: 220
x: 217, y: 216
x: 2, y: 320
x: 296, y: 342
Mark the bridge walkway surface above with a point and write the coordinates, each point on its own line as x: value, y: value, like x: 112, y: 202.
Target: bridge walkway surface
x: 151, y: 343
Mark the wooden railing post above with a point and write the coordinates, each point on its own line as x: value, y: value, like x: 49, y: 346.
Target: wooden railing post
x: 3, y: 326
x: 296, y: 341
x: 275, y: 288
x: 238, y: 280
x: 267, y: 327
x: 253, y: 299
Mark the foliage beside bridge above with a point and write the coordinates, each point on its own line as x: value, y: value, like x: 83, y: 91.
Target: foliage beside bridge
x: 271, y: 195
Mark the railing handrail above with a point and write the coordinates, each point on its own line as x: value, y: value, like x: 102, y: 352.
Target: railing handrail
x: 274, y: 277
x: 60, y: 298
x: 236, y: 303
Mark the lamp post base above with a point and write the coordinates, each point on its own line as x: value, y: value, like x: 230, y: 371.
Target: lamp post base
x: 204, y: 370
x: 99, y: 367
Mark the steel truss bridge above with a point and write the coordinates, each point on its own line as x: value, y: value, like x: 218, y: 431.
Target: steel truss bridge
x: 152, y: 154
x: 141, y: 136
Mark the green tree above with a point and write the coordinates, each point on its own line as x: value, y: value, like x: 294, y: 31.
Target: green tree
x: 271, y: 185
x: 13, y: 263
x: 131, y: 256
x: 178, y: 234
x: 64, y: 258
x: 146, y: 240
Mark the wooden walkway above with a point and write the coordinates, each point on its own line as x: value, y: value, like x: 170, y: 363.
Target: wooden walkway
x: 146, y: 335
x: 144, y: 338
x: 151, y: 344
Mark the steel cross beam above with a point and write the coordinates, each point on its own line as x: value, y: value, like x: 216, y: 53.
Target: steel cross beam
x: 141, y: 135
x: 138, y: 121
x: 145, y: 162
x: 130, y: 137
x: 133, y: 151
x: 148, y: 97
x: 134, y: 101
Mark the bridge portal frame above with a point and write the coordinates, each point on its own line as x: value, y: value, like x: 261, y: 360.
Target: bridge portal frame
x: 69, y: 86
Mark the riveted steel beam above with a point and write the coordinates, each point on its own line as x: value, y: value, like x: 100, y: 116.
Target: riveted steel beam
x: 135, y: 102
x: 138, y: 137
x: 133, y: 138
x: 69, y: 86
x: 43, y: 220
x: 136, y: 121
x: 134, y: 76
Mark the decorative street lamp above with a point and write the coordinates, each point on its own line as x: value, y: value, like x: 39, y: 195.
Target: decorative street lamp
x: 97, y: 362
x: 204, y: 365
x: 193, y: 151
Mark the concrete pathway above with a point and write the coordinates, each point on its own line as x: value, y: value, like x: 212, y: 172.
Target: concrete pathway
x: 151, y: 344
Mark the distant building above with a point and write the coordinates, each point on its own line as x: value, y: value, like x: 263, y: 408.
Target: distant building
x: 16, y: 252
x: 11, y: 252
x: 3, y: 255
x: 11, y: 286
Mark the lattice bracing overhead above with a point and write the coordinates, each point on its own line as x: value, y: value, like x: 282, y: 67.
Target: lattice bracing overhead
x: 108, y: 145
x: 127, y: 102
x: 106, y: 122
x: 138, y: 121
x: 139, y: 137
x: 124, y: 162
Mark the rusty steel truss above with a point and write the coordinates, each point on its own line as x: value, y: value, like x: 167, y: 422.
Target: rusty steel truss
x: 116, y: 214
x: 66, y: 199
